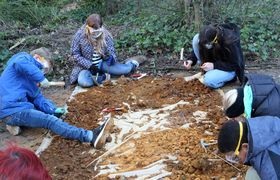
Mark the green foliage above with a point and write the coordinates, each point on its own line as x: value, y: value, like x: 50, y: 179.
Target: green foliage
x: 4, y: 56
x: 155, y: 26
x: 28, y: 12
x: 88, y: 7
x: 168, y: 27
x: 155, y: 33
x: 260, y: 25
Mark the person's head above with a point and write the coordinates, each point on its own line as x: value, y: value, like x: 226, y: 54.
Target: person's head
x: 209, y: 37
x: 20, y: 163
x: 232, y: 140
x: 43, y: 56
x: 94, y: 25
x: 233, y: 104
x: 96, y: 32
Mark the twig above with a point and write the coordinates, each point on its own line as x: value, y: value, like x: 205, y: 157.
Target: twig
x: 226, y: 161
x: 17, y: 44
x: 182, y: 54
x: 110, y: 150
x: 204, y: 146
x: 127, y: 139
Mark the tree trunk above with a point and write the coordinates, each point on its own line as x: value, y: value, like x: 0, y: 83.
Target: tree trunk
x: 187, y: 10
x: 139, y: 6
x: 197, y: 18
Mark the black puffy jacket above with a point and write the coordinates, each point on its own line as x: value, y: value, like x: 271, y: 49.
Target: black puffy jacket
x: 266, y: 95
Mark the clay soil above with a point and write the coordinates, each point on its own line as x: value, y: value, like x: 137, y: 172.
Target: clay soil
x: 68, y: 159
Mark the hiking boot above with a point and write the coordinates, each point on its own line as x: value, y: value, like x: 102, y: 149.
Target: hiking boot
x: 14, y: 130
x: 101, y: 133
x: 136, y: 60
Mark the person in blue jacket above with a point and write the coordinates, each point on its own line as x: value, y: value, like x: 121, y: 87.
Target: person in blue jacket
x: 22, y: 104
x: 254, y: 142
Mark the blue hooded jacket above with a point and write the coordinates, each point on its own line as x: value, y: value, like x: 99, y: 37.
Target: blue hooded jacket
x: 264, y: 146
x: 18, y: 86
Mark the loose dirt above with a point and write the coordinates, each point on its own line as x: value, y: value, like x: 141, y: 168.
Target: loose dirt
x: 175, y: 148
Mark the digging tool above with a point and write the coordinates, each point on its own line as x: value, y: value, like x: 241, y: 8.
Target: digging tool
x: 138, y: 76
x: 58, y: 83
x: 206, y: 145
x: 95, y: 78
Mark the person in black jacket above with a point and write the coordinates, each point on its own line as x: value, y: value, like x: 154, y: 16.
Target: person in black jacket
x: 260, y: 96
x: 217, y: 48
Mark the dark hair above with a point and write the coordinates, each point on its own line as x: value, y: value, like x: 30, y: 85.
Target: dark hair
x: 20, y: 163
x: 226, y: 34
x: 229, y: 136
x: 207, y: 34
x: 94, y: 21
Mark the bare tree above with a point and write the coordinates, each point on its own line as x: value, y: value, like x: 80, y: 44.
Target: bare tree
x: 197, y: 17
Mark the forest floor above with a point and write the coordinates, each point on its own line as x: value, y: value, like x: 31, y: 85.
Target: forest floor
x: 157, y: 135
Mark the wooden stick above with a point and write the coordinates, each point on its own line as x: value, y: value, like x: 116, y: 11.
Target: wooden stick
x: 59, y: 83
x: 17, y: 44
x: 110, y: 150
x: 182, y: 54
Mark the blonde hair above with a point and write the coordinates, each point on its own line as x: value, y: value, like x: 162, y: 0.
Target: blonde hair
x: 47, y: 55
x: 229, y: 98
x: 95, y: 21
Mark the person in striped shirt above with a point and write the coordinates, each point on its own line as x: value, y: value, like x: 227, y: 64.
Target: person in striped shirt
x: 95, y: 56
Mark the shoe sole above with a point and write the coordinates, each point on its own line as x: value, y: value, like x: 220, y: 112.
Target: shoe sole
x: 101, y: 138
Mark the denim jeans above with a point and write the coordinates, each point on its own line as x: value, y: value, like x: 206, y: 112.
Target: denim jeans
x: 85, y: 79
x: 214, y: 78
x: 252, y: 174
x: 217, y: 78
x: 37, y: 119
x: 117, y: 69
x: 195, y: 45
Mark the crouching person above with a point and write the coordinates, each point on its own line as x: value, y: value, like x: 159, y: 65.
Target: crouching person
x: 260, y: 96
x: 255, y: 142
x: 22, y: 104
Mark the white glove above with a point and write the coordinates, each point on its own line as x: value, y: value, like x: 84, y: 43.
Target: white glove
x: 188, y: 64
x: 45, y: 83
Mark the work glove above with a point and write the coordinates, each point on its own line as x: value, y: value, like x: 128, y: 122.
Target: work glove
x: 45, y: 83
x: 110, y: 60
x: 59, y: 112
x: 188, y: 64
x: 94, y: 69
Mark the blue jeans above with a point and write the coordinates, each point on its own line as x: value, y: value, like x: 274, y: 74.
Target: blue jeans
x: 117, y: 69
x: 85, y: 79
x: 217, y: 78
x: 37, y: 119
x: 195, y: 45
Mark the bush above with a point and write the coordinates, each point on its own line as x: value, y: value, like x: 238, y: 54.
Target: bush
x: 168, y: 27
x: 28, y: 12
